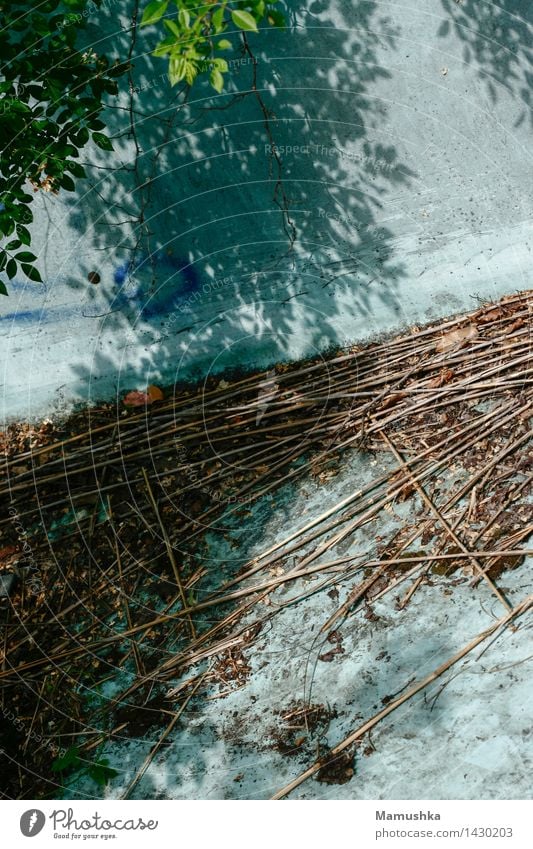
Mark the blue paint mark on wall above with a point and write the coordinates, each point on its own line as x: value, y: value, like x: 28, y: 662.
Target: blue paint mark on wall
x: 23, y: 315
x: 133, y: 297
x: 161, y: 302
x: 121, y: 273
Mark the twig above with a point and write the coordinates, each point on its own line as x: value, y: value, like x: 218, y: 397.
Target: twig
x: 447, y: 527
x: 170, y: 550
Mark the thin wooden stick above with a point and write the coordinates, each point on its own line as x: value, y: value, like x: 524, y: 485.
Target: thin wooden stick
x: 170, y: 550
x: 136, y: 653
x: 447, y: 527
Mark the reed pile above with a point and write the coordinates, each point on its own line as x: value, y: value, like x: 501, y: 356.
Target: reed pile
x: 109, y: 517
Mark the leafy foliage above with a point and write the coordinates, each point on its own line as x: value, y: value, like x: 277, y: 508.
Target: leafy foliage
x: 71, y: 762
x: 198, y: 34
x: 101, y: 772
x: 51, y: 96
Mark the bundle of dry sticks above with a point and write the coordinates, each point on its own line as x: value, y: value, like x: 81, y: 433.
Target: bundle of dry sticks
x: 108, y: 516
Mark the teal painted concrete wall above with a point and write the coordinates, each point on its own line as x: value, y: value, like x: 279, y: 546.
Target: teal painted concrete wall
x: 405, y: 139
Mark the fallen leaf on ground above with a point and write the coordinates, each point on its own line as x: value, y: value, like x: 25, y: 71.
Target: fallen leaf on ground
x: 326, y: 476
x: 457, y: 338
x: 7, y: 555
x: 491, y: 315
x: 338, y: 769
x: 389, y: 400
x: 443, y: 377
x: 136, y: 399
x: 155, y: 393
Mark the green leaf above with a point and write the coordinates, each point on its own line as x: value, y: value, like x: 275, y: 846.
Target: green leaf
x: 75, y: 168
x: 8, y: 225
x: 101, y: 772
x: 224, y: 44
x: 184, y: 18
x: 111, y: 87
x: 102, y: 141
x: 13, y: 245
x: 25, y: 256
x: 177, y: 68
x: 11, y: 269
x: 220, y: 65
x: 24, y: 234
x: 154, y: 12
x: 276, y: 18
x: 118, y: 69
x: 3, y: 290
x: 165, y: 46
x: 67, y: 183
x: 70, y: 759
x: 217, y: 80
x: 244, y: 20
x: 63, y: 117
x: 173, y: 28
x: 32, y: 273
x: 217, y: 18
x: 190, y: 73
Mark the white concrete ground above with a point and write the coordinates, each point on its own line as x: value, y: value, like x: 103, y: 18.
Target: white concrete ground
x: 467, y: 736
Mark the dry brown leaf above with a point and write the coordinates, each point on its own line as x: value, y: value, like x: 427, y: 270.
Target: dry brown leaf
x: 154, y: 393
x: 20, y: 470
x: 392, y: 399
x: 491, y: 315
x: 7, y: 555
x: 136, y: 399
x: 456, y: 339
x: 443, y: 377
x: 324, y: 477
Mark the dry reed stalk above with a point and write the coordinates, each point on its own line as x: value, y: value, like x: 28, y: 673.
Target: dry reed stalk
x: 447, y: 527
x: 170, y: 550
